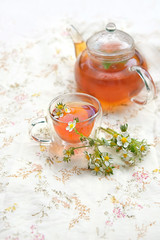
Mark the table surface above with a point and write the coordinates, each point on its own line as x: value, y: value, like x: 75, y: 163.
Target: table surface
x: 43, y: 197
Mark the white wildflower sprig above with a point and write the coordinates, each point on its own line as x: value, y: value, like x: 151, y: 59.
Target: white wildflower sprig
x: 123, y: 140
x: 101, y: 163
x: 131, y: 148
x: 72, y: 124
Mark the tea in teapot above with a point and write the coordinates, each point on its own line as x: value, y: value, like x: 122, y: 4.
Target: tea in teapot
x: 112, y: 70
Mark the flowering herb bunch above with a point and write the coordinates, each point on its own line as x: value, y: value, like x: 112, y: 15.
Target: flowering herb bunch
x: 60, y: 109
x: 102, y: 163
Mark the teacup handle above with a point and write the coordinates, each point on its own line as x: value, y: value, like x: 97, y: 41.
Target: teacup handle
x: 149, y: 84
x: 42, y: 120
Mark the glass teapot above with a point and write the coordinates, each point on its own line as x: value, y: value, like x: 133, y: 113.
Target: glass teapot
x: 111, y: 69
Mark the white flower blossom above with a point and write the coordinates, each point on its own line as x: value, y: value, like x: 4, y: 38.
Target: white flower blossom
x: 144, y: 149
x: 67, y: 110
x: 96, y: 171
x: 107, y: 159
x: 126, y: 155
x: 71, y: 125
x: 57, y: 113
x: 97, y: 164
x: 123, y: 140
x: 106, y: 163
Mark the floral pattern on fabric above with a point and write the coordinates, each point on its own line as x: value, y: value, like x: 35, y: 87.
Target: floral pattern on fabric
x: 43, y: 198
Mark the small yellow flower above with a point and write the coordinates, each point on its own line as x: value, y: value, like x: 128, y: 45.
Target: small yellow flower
x: 142, y: 148
x: 71, y: 125
x: 123, y: 140
x: 60, y: 106
x: 96, y: 169
x: 67, y: 110
x: 67, y: 153
x: 97, y: 160
x: 106, y: 158
x: 108, y: 170
x: 58, y: 114
x: 115, y: 135
x: 87, y: 157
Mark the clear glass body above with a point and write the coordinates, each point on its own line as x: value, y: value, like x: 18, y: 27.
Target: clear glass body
x: 82, y: 106
x: 111, y: 82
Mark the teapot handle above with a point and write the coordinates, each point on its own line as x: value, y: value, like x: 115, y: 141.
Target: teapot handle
x: 149, y: 85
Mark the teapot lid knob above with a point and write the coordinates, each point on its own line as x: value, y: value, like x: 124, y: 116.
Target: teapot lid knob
x: 111, y: 27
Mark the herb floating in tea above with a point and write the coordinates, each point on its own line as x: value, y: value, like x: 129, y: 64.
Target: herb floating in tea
x: 60, y: 109
x: 102, y: 163
x: 107, y: 65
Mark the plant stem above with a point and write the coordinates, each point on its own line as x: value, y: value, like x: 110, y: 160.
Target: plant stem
x: 88, y: 138
x: 85, y: 146
x: 109, y: 130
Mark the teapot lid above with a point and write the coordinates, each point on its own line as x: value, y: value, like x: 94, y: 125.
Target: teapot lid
x: 111, y: 45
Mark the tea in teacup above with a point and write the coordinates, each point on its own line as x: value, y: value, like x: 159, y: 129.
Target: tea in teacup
x: 79, y: 113
x: 70, y: 116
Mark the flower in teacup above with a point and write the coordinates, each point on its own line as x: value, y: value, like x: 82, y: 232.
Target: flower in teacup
x: 57, y: 114
x: 60, y: 106
x: 66, y: 109
x: 123, y: 140
x: 71, y: 125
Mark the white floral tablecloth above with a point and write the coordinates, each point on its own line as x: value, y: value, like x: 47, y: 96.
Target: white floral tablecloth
x: 43, y: 198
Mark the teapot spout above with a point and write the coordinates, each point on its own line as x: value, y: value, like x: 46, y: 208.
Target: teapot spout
x: 79, y: 43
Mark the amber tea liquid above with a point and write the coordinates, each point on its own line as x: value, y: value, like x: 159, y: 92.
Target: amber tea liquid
x: 112, y: 86
x: 82, y: 111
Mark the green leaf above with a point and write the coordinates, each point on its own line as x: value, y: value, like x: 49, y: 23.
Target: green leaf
x: 91, y: 142
x: 82, y: 139
x: 106, y: 65
x: 77, y: 119
x: 105, y: 142
x: 124, y: 127
x: 72, y: 151
x: 132, y: 148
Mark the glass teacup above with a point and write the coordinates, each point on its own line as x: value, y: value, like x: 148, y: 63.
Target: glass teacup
x: 69, y: 117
